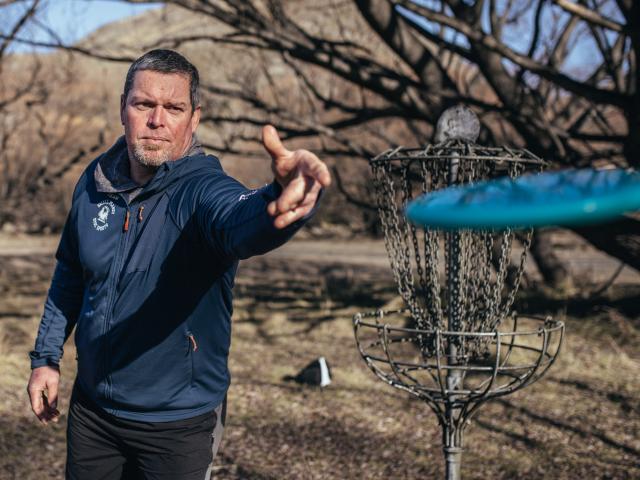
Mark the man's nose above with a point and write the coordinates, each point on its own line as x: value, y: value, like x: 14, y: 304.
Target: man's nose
x: 156, y: 118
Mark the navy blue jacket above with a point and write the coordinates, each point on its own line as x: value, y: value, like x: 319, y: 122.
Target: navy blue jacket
x: 148, y: 286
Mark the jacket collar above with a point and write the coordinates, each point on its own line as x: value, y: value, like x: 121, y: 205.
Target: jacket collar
x: 112, y: 174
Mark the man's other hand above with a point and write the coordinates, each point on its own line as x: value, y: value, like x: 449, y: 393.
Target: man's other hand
x: 300, y: 173
x: 43, y: 393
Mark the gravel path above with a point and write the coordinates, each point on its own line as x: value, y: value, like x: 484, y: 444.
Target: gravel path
x: 583, y: 260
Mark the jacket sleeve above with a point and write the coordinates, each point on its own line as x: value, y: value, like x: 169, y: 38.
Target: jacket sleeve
x: 63, y: 303
x: 235, y: 222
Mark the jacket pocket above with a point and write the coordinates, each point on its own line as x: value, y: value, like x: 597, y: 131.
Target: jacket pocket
x: 152, y: 229
x: 152, y: 372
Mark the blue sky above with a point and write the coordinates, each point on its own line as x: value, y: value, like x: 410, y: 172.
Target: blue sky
x: 74, y: 19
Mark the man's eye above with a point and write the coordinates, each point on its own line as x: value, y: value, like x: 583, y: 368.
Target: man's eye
x: 174, y: 109
x: 143, y: 106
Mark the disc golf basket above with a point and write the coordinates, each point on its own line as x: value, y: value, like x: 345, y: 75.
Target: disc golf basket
x: 457, y: 343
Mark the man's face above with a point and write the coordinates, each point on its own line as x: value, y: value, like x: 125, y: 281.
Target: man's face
x: 157, y: 117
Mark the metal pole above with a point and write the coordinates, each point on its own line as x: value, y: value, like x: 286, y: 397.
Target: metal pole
x: 452, y: 446
x: 453, y: 458
x: 452, y: 449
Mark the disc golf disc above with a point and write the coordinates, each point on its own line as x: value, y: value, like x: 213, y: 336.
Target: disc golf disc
x: 567, y: 198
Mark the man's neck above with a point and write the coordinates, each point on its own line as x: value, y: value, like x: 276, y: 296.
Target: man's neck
x: 141, y: 174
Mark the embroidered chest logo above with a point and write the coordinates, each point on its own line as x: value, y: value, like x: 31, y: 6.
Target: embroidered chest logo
x: 101, y: 221
x: 244, y: 196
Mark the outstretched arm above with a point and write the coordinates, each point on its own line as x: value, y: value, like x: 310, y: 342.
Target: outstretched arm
x: 239, y: 223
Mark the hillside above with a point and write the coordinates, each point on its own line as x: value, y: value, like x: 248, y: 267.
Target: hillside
x: 77, y: 114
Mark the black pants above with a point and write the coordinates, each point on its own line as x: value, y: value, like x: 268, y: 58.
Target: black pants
x: 104, y: 447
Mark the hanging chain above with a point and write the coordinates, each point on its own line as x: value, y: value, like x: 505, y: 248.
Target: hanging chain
x: 430, y: 178
x: 476, y: 300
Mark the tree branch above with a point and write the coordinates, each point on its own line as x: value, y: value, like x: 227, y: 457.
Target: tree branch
x: 71, y: 48
x: 22, y: 21
x: 590, y: 16
x: 547, y: 72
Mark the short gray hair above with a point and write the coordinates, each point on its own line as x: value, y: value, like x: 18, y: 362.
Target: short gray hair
x: 166, y: 61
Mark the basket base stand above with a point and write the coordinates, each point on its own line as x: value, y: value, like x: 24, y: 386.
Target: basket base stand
x: 452, y: 448
x: 453, y: 459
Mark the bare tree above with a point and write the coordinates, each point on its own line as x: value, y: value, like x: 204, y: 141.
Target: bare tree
x: 558, y: 77
x: 39, y: 138
x: 14, y: 96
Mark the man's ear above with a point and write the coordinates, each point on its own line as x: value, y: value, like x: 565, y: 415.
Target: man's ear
x: 195, y: 118
x: 122, y: 105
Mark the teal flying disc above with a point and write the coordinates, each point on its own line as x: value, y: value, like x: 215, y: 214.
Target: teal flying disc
x: 563, y: 198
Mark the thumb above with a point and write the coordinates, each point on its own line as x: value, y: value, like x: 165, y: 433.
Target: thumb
x: 272, y: 142
x: 52, y: 393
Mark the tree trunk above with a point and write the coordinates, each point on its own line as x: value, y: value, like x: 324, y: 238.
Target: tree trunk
x: 554, y: 271
x: 620, y: 239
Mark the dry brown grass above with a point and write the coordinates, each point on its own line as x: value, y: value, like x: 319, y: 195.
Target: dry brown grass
x: 581, y: 422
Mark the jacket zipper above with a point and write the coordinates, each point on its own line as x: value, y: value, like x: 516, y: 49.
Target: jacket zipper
x: 112, y: 290
x: 193, y: 347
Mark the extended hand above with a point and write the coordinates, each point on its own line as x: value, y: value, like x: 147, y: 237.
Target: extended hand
x: 301, y: 175
x: 43, y: 393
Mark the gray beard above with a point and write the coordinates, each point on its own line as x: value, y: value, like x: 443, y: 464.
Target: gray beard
x: 152, y: 158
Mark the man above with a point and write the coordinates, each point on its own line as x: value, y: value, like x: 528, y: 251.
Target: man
x: 144, y: 273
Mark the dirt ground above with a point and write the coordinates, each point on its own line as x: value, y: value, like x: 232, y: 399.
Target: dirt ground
x: 582, y: 421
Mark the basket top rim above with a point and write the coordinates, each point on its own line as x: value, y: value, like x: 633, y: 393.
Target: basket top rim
x: 455, y: 149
